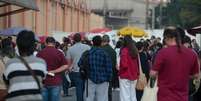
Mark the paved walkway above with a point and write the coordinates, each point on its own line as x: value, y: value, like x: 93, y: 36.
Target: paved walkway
x: 73, y: 97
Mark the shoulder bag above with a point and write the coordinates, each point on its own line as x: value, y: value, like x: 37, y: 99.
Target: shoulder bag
x: 142, y: 80
x: 150, y: 93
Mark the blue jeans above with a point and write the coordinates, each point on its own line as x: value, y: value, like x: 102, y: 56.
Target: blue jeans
x: 51, y: 93
x: 79, y: 84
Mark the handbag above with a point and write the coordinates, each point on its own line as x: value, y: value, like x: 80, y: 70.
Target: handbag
x: 150, y: 93
x: 142, y: 80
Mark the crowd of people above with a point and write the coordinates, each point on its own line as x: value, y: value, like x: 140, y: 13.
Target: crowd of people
x: 34, y: 71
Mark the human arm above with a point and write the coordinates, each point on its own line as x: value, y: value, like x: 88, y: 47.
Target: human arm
x: 195, y: 69
x: 157, y: 65
x: 63, y: 66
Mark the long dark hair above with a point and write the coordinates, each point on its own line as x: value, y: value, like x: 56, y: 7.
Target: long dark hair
x: 130, y: 44
x: 6, y: 48
x: 172, y: 32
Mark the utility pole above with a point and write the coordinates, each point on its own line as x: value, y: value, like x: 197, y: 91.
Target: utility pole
x: 105, y: 8
x: 147, y: 14
x: 160, y: 13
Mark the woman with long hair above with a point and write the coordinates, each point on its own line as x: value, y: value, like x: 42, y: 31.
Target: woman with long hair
x: 6, y: 53
x: 128, y: 71
x: 174, y: 65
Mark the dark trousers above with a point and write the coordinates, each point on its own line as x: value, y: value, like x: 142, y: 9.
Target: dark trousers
x: 79, y: 84
x: 110, y: 91
x: 65, y: 84
x: 139, y: 94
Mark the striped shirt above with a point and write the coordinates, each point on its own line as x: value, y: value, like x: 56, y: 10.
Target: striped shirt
x: 22, y: 86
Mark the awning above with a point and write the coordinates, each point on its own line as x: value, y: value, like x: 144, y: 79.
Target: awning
x: 24, y: 4
x: 194, y: 31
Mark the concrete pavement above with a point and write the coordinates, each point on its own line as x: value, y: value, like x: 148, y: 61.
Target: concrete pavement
x: 73, y: 97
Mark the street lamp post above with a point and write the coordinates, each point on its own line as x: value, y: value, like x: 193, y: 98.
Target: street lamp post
x: 147, y: 14
x: 160, y: 13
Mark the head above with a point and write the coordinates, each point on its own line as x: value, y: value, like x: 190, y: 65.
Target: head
x: 158, y: 39
x: 57, y: 45
x: 140, y: 46
x: 194, y: 41
x: 119, y: 44
x: 130, y: 44
x: 172, y: 37
x: 66, y: 40
x: 97, y: 40
x: 141, y: 40
x: 50, y: 41
x: 6, y: 48
x: 77, y: 38
x: 6, y: 43
x: 10, y: 38
x: 186, y: 41
x: 146, y: 45
x: 153, y: 37
x: 105, y: 39
x: 26, y: 43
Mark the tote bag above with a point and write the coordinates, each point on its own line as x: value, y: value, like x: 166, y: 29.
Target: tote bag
x: 150, y: 94
x: 142, y: 80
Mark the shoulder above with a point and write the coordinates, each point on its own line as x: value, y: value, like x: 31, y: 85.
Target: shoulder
x: 164, y: 50
x: 37, y: 59
x: 85, y: 46
x: 13, y: 60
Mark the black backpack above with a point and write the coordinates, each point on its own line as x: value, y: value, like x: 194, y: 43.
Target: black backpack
x: 84, y: 65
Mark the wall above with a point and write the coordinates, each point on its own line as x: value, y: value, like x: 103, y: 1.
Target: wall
x: 54, y: 15
x: 96, y: 22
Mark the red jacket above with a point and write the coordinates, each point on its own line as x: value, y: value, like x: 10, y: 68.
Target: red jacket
x: 129, y: 68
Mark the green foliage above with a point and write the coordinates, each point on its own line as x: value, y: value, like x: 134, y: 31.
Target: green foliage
x: 184, y: 13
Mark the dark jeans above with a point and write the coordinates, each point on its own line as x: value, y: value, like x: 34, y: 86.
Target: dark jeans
x: 110, y: 91
x: 79, y: 84
x: 65, y: 84
x: 139, y: 94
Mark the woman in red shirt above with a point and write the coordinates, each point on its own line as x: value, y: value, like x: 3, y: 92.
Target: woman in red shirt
x: 128, y: 70
x: 174, y: 66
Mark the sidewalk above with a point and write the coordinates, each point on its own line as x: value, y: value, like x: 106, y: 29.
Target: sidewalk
x: 73, y: 98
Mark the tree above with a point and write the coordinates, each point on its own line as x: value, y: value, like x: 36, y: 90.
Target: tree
x: 183, y: 13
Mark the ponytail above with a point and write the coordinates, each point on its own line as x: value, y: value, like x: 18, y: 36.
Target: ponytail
x: 172, y: 32
x: 178, y: 41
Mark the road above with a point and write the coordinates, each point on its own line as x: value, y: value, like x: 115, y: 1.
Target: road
x: 73, y: 97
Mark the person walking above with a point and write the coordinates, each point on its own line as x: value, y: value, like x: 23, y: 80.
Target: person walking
x: 112, y: 53
x: 100, y: 72
x: 129, y: 70
x: 173, y: 66
x: 145, y: 66
x: 56, y: 64
x: 66, y: 84
x: 73, y: 56
x: 24, y: 74
x: 6, y: 53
